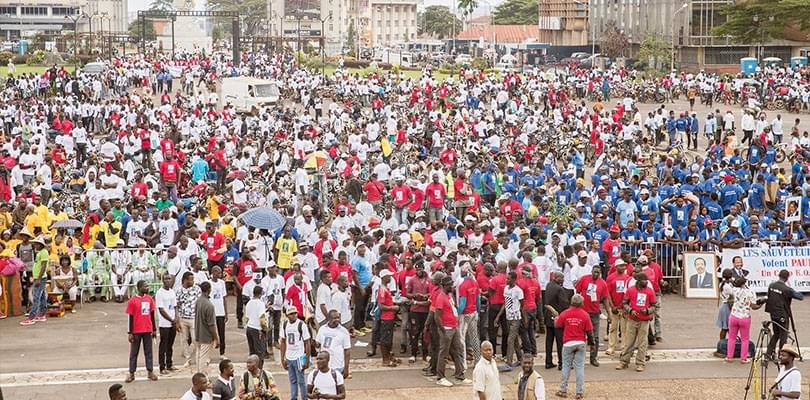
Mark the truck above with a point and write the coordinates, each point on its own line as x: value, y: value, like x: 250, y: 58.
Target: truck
x: 244, y: 93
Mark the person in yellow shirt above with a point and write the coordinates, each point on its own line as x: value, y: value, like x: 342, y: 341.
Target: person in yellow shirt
x: 212, y: 205
x: 58, y: 247
x: 285, y: 248
x: 227, y: 229
x: 6, y: 220
x: 90, y: 231
x: 9, y: 244
x: 111, y: 230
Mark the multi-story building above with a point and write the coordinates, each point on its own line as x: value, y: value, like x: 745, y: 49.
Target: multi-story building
x: 391, y: 22
x: 20, y: 18
x: 563, y: 22
x: 309, y: 21
x: 688, y: 24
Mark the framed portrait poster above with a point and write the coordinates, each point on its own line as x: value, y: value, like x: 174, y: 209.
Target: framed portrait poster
x: 700, y: 275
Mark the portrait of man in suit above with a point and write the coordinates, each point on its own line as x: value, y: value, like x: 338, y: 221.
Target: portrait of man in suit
x: 701, y: 279
x: 738, y: 271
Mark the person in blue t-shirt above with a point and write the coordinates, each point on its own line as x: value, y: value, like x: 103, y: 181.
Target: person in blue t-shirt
x: 730, y: 193
x: 732, y: 238
x: 626, y: 209
x: 756, y: 196
x: 647, y: 208
x: 709, y: 236
x: 680, y: 210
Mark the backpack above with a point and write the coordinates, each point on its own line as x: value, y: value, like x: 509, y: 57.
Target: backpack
x: 332, y: 370
x: 300, y: 329
x: 247, y: 384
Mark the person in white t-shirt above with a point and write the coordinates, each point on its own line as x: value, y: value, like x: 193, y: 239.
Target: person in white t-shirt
x: 324, y: 382
x: 219, y: 292
x: 335, y: 339
x: 166, y: 303
x: 199, y: 387
x: 788, y: 385
x: 294, y: 358
x: 323, y: 298
x: 341, y: 301
x: 254, y: 331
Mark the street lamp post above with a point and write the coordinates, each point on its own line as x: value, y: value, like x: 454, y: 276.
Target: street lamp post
x: 672, y: 31
x: 323, y: 45
x: 75, y: 20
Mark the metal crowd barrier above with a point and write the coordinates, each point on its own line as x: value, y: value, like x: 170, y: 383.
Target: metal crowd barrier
x: 668, y: 255
x: 102, y: 260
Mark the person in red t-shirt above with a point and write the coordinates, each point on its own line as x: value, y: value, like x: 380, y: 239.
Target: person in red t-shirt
x: 496, y: 286
x: 469, y: 302
x: 532, y: 304
x: 142, y: 329
x: 577, y: 331
x: 417, y: 290
x: 401, y: 195
x: 436, y: 193
x: 611, y: 247
x: 639, y: 306
x: 170, y: 175
x: 214, y: 243
x: 617, y: 287
x: 594, y: 292
x: 446, y: 317
x: 388, y: 311
x: 374, y: 190
x: 221, y: 165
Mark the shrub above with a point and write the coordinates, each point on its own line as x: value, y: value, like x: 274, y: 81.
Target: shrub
x: 5, y: 56
x: 37, y: 58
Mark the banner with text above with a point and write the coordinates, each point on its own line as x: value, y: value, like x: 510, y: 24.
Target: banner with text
x: 763, y: 265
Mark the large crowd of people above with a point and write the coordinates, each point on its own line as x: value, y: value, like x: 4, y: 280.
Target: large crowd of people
x: 475, y: 208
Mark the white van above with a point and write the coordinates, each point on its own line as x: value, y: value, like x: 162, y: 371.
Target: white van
x: 244, y: 92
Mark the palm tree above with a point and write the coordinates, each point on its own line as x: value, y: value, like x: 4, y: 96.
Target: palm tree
x: 467, y: 7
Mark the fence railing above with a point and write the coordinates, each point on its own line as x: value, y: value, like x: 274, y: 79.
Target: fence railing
x: 96, y: 268
x: 668, y: 255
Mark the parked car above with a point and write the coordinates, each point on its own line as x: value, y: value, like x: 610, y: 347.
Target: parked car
x: 502, y: 67
x: 463, y: 59
x: 94, y: 68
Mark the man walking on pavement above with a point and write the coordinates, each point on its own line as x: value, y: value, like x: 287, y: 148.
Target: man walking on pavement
x: 594, y: 292
x: 446, y: 318
x: 205, y: 328
x: 486, y: 383
x: 141, y: 312
x: 577, y: 331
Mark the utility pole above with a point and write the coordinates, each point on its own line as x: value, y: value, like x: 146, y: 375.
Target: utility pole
x: 672, y: 32
x: 75, y: 20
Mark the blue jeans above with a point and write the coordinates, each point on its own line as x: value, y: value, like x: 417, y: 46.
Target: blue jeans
x: 573, y: 357
x: 297, y: 380
x: 39, y: 300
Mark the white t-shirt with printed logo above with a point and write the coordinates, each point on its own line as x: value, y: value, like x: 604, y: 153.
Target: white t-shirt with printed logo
x: 295, y: 340
x: 511, y: 300
x: 167, y: 300
x: 218, y: 293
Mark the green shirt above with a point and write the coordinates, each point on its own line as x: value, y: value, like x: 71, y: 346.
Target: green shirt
x: 42, y: 258
x: 163, y: 204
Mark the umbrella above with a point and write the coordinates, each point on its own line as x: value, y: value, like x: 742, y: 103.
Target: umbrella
x: 67, y: 224
x: 316, y: 160
x: 263, y: 218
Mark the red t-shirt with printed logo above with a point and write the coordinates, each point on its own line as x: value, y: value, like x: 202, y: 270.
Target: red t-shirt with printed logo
x: 140, y: 308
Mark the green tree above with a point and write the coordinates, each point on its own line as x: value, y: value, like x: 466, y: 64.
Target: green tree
x: 756, y: 21
x: 350, y: 36
x: 655, y: 52
x: 516, y: 12
x: 253, y: 13
x: 435, y: 21
x: 135, y: 29
x: 613, y: 42
x: 161, y: 5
